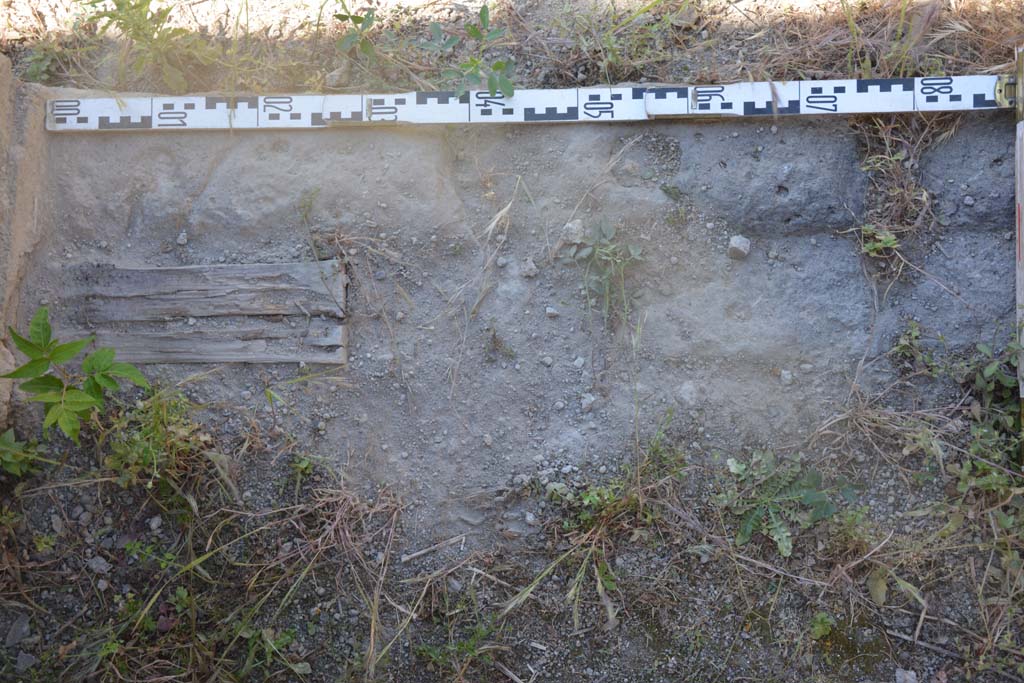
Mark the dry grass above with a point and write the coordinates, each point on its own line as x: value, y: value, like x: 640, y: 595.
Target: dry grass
x: 893, y: 38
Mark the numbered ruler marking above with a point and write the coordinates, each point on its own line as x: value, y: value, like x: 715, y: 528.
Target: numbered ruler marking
x: 614, y: 103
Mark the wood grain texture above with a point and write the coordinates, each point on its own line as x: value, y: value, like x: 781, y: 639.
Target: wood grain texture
x: 251, y: 313
x: 108, y: 294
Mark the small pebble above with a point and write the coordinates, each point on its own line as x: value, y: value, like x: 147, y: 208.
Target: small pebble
x: 155, y: 523
x: 579, y: 362
x: 739, y: 247
x: 786, y: 377
x: 550, y: 312
x: 246, y: 395
x: 547, y: 361
x: 182, y: 238
x: 968, y: 200
x: 587, y: 402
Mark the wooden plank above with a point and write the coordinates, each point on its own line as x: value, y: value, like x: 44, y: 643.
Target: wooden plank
x: 1020, y: 247
x: 108, y: 294
x: 326, y: 345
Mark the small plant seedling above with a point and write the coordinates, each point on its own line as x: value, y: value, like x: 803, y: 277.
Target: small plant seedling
x: 357, y: 35
x: 821, y: 625
x: 69, y: 397
x: 605, y: 261
x: 44, y: 543
x: 19, y: 457
x: 152, y: 42
x: 768, y: 495
x: 476, y: 71
x: 878, y: 242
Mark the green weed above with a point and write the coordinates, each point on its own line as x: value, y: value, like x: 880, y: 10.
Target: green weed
x: 821, y: 625
x: 152, y: 44
x: 476, y: 72
x: 605, y: 261
x: 69, y: 397
x: 769, y: 495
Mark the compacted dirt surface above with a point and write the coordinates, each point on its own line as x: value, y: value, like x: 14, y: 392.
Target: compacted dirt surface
x: 489, y: 390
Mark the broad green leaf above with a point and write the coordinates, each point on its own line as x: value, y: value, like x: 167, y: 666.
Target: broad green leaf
x: 53, y: 413
x: 435, y: 31
x: 106, y: 381
x: 93, y: 388
x: 735, y: 466
x: 492, y: 84
x: 33, y: 368
x: 366, y: 47
x: 77, y: 400
x: 494, y: 34
x: 878, y: 585
x: 474, y: 32
x: 130, y: 373
x: 42, y: 384
x: 990, y: 369
x: 49, y: 396
x: 39, y: 329
x: 485, y: 17
x: 99, y: 360
x: 70, y: 425
x: 506, y: 86
x: 25, y: 346
x: 65, y: 352
x: 301, y: 668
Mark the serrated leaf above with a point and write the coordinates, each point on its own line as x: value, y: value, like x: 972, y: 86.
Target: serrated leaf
x: 878, y: 585
x: 748, y: 525
x: 69, y: 424
x: 99, y: 360
x: 93, y: 388
x: 25, y: 346
x: 53, y: 413
x: 65, y: 352
x: 39, y: 385
x: 33, y: 368
x: 130, y: 373
x: 779, y: 532
x: 76, y: 400
x: 39, y: 328
x: 106, y: 381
